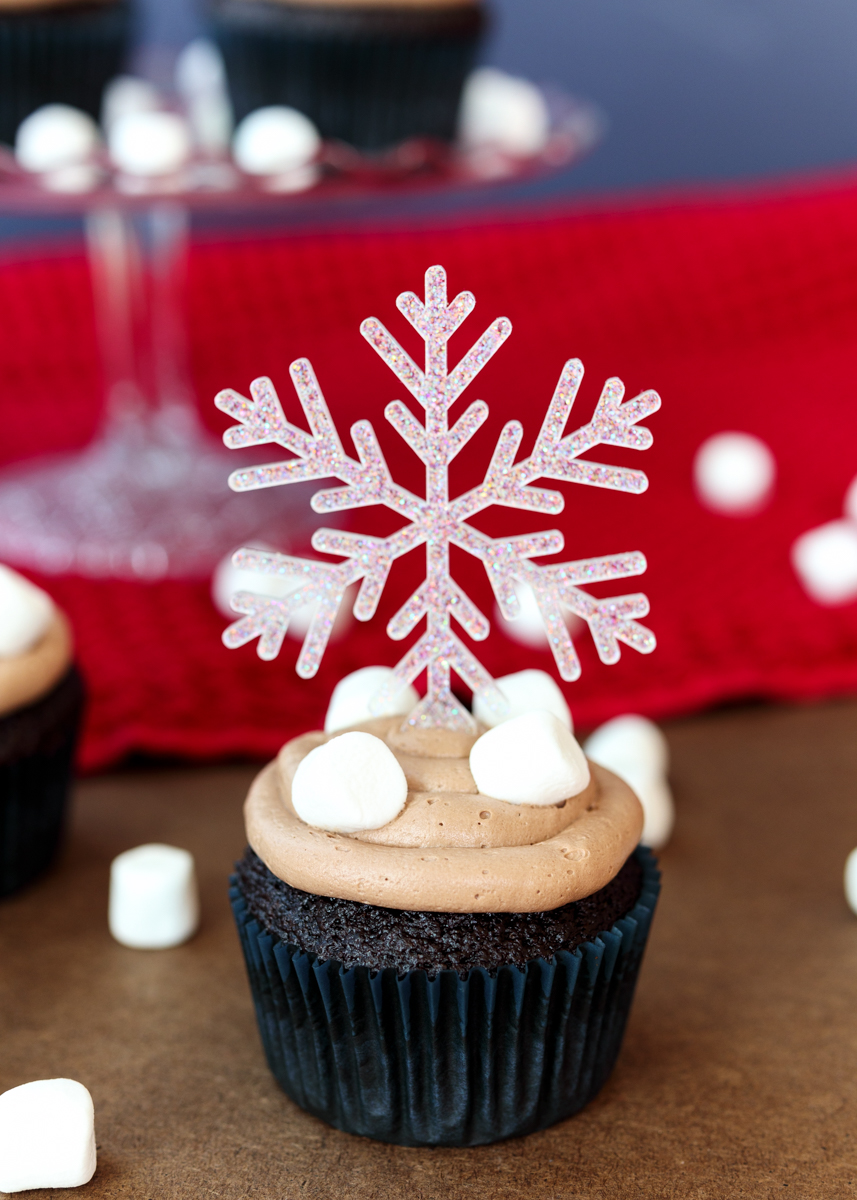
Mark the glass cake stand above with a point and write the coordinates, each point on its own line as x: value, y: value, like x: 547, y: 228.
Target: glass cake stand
x: 147, y: 499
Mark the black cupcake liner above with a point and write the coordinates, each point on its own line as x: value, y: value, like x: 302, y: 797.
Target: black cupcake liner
x: 37, y: 746
x: 60, y: 55
x: 369, y: 77
x: 450, y: 1061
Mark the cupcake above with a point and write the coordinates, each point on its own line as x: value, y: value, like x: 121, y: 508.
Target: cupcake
x: 372, y: 73
x: 463, y: 971
x: 58, y: 53
x: 41, y: 698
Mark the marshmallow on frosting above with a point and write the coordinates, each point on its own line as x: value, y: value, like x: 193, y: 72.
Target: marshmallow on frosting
x: 531, y: 759
x: 351, y: 783
x: 525, y: 692
x: 25, y: 613
x: 352, y: 697
x: 635, y: 749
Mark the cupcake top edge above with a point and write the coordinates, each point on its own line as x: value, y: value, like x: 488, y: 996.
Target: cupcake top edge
x: 35, y: 642
x: 450, y: 848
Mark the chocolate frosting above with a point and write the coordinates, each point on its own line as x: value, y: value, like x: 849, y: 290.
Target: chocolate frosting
x: 451, y: 849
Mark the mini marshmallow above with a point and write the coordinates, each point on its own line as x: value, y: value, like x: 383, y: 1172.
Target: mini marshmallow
x: 25, y: 613
x: 55, y: 136
x: 525, y: 691
x: 350, y: 702
x: 825, y: 560
x: 352, y: 782
x: 127, y: 94
x: 149, y: 143
x: 275, y: 139
x: 851, y: 880
x: 531, y: 759
x: 635, y: 749
x: 154, y: 902
x: 734, y: 473
x: 47, y: 1136
x: 504, y: 111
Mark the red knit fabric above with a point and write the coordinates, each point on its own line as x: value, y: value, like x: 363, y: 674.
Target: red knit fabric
x: 741, y: 312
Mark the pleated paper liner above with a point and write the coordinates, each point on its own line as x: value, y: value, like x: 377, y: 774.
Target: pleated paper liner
x: 448, y: 1061
x: 62, y: 54
x: 369, y: 77
x: 36, y: 761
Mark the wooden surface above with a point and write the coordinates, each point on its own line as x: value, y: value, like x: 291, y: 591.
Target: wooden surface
x: 739, y: 1071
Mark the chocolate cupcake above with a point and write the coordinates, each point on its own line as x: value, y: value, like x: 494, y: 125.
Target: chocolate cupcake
x: 461, y: 972
x: 62, y: 52
x: 41, y: 699
x: 372, y: 73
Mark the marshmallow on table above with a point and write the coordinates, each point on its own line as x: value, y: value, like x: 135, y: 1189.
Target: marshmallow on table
x: 47, y: 1136
x: 525, y: 692
x: 825, y: 560
x: 275, y: 139
x: 154, y: 902
x: 149, y: 143
x: 734, y: 473
x: 352, y: 696
x: 56, y: 136
x: 350, y: 783
x: 851, y: 880
x: 531, y: 759
x: 504, y: 111
x: 635, y: 749
x: 25, y: 613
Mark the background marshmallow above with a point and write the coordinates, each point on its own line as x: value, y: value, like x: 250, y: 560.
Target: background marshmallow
x: 275, y: 139
x: 734, y: 473
x: 531, y: 759
x: 25, y: 613
x: 525, y: 691
x: 504, y: 111
x: 55, y: 136
x: 825, y: 559
x: 851, y: 880
x: 635, y: 749
x: 154, y: 901
x: 47, y: 1136
x: 149, y: 143
x: 349, y: 704
x: 350, y: 783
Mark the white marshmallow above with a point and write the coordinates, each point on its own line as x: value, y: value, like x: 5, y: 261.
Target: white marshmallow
x: 825, y: 560
x: 532, y: 759
x: 275, y: 139
x: 734, y: 473
x: 149, y: 143
x: 47, y: 1136
x: 154, y: 901
x: 128, y: 94
x: 352, y: 782
x: 851, y: 880
x: 635, y: 749
x: 503, y: 111
x: 352, y: 696
x: 25, y: 613
x: 525, y: 691
x: 55, y: 136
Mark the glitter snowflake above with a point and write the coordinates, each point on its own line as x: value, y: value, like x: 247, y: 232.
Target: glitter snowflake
x: 435, y: 520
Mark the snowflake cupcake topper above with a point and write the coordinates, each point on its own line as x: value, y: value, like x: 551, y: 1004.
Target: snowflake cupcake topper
x: 435, y: 520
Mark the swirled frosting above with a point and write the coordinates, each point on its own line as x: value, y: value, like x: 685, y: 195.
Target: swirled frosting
x: 451, y: 849
x: 27, y: 677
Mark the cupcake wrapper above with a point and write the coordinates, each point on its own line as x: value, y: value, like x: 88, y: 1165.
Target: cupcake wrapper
x: 62, y: 55
x: 36, y: 759
x: 446, y: 1061
x: 370, y: 79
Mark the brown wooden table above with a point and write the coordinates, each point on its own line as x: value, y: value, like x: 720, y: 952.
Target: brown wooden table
x: 739, y: 1071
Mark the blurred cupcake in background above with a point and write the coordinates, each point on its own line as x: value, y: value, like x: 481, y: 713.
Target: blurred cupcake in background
x: 61, y: 53
x: 41, y: 699
x: 372, y: 74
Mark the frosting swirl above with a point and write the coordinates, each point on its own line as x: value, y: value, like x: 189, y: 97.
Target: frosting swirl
x: 451, y: 849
